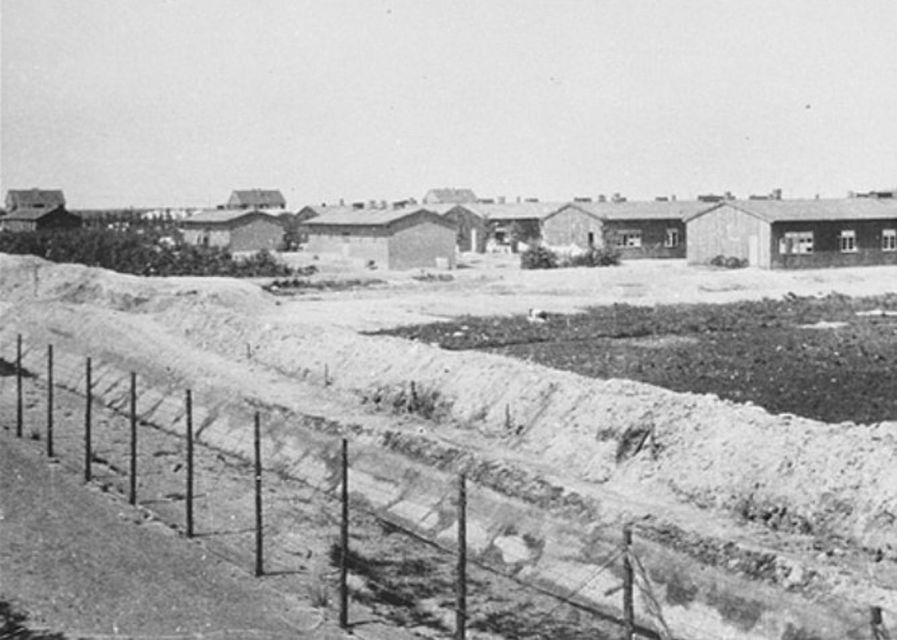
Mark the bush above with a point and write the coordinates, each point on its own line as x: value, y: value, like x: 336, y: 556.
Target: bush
x: 596, y: 257
x: 138, y: 253
x: 729, y: 262
x: 538, y: 257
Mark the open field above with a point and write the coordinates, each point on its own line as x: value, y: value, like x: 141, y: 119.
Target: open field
x: 755, y: 523
x: 831, y: 358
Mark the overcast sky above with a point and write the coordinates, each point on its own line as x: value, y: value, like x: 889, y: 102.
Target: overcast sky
x: 154, y: 102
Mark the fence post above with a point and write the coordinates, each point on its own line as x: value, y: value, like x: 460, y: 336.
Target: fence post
x: 19, y: 416
x: 344, y: 539
x: 132, y: 495
x: 461, y: 578
x: 877, y: 623
x: 88, y: 391
x: 189, y: 400
x: 258, y: 496
x: 50, y: 401
x: 628, y: 608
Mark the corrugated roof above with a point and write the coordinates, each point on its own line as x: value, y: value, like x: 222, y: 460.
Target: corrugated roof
x: 365, y: 217
x: 644, y: 210
x: 259, y: 198
x: 28, y: 198
x: 222, y: 216
x: 814, y: 210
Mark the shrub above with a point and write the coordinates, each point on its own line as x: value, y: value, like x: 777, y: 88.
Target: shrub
x: 596, y: 257
x: 139, y: 253
x: 729, y: 262
x: 538, y: 257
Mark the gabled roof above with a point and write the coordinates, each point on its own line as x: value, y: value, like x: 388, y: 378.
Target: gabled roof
x: 812, y: 210
x: 516, y: 210
x: 369, y: 217
x: 642, y: 210
x: 224, y: 216
x: 263, y: 198
x: 449, y: 195
x: 34, y: 198
x: 31, y: 214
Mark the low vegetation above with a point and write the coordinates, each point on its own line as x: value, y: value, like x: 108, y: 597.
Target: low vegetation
x: 729, y: 262
x: 539, y: 257
x: 806, y: 356
x: 139, y: 252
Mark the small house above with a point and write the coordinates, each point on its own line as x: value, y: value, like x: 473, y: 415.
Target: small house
x: 235, y: 229
x: 511, y: 223
x: 40, y: 219
x: 796, y: 233
x: 34, y: 199
x: 473, y: 230
x: 392, y: 238
x: 646, y: 229
x: 256, y: 199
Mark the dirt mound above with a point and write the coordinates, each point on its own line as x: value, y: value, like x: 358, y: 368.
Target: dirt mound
x: 787, y: 472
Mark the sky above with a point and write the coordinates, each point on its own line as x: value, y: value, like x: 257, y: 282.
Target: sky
x: 178, y: 102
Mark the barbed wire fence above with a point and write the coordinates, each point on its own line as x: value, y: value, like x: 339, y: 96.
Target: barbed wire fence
x: 174, y: 413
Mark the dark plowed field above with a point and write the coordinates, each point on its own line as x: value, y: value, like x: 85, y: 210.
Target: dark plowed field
x: 832, y: 359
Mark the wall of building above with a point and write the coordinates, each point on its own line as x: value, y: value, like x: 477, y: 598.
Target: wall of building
x: 421, y: 245
x: 654, y: 237
x: 252, y: 234
x: 728, y: 232
x: 572, y: 227
x: 358, y: 244
x: 59, y: 219
x: 256, y: 235
x: 472, y: 230
x: 826, y: 244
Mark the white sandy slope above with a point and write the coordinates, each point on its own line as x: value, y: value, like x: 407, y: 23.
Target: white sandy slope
x: 721, y: 456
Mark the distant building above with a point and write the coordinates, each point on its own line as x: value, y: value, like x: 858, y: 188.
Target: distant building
x: 256, y: 199
x: 796, y: 233
x: 637, y: 229
x: 450, y: 196
x: 235, y: 230
x: 391, y: 238
x: 472, y: 227
x: 34, y: 199
x: 37, y: 210
x: 40, y: 220
x: 510, y: 223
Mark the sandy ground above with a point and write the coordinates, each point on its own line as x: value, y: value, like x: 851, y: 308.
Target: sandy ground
x: 237, y: 339
x: 494, y: 285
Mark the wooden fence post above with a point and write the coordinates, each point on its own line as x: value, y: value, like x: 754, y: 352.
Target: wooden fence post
x: 344, y: 539
x: 461, y: 577
x: 189, y: 416
x: 88, y: 392
x: 50, y: 401
x: 258, y: 496
x: 132, y: 494
x: 19, y: 404
x: 879, y: 632
x: 628, y: 607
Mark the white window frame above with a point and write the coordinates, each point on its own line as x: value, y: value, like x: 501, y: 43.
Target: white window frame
x: 889, y: 239
x: 796, y: 243
x: 847, y: 241
x: 629, y: 239
x: 673, y: 238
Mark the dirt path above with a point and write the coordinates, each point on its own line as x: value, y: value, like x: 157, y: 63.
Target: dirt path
x: 81, y: 563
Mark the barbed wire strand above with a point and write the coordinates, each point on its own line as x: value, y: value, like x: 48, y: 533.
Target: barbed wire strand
x: 118, y: 406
